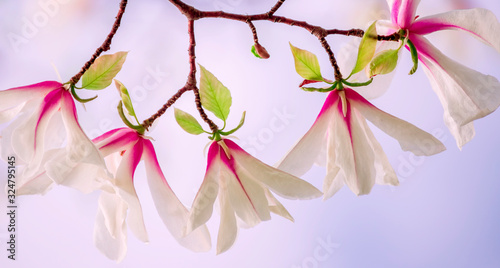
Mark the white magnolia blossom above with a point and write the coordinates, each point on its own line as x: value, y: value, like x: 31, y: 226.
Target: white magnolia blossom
x: 466, y: 95
x: 34, y: 137
x: 243, y: 185
x: 353, y: 156
x: 119, y: 196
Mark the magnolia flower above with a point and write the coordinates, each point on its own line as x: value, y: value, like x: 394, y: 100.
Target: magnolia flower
x: 110, y: 233
x: 353, y: 155
x: 243, y: 186
x: 465, y: 94
x: 34, y: 138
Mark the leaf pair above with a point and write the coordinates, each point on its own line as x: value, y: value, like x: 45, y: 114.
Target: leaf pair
x: 216, y: 98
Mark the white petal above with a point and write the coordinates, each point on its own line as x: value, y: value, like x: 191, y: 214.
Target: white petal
x: 479, y: 22
x: 276, y: 207
x: 110, y: 229
x: 304, y: 153
x: 280, y: 182
x: 409, y: 136
x: 203, y: 203
x: 465, y: 94
x: 228, y: 230
x: 172, y: 212
x: 124, y: 182
x: 79, y: 147
x: 28, y: 139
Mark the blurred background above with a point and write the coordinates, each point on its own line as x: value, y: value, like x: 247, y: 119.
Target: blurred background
x: 445, y: 213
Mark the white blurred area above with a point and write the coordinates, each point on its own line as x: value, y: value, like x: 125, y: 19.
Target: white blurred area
x: 445, y: 213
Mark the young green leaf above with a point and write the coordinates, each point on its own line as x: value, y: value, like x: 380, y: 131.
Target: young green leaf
x: 127, y: 102
x: 254, y: 52
x: 366, y: 49
x: 187, y: 122
x: 215, y: 97
x: 384, y: 63
x: 103, y: 70
x: 306, y: 64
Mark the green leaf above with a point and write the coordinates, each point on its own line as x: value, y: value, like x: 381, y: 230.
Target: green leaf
x: 306, y: 64
x: 188, y: 122
x: 103, y: 70
x: 127, y: 102
x: 242, y: 121
x: 384, y: 63
x: 414, y: 57
x: 139, y: 128
x: 215, y: 97
x: 366, y: 49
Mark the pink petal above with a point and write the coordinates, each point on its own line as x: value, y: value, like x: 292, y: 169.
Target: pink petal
x: 12, y: 100
x: 203, y: 203
x: 403, y: 11
x: 116, y: 140
x: 124, y: 182
x: 305, y: 152
x: 28, y: 138
x: 479, y: 22
x: 173, y: 214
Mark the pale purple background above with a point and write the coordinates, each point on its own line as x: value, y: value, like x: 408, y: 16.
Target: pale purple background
x: 445, y: 213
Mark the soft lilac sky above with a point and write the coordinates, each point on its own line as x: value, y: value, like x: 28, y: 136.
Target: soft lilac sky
x: 445, y: 213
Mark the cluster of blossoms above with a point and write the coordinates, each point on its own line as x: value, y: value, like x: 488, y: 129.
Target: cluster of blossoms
x: 340, y: 138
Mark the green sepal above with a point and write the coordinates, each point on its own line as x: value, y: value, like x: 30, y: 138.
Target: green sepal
x: 306, y: 64
x: 366, y: 49
x: 188, y: 122
x: 77, y: 98
x: 139, y: 128
x: 358, y: 84
x: 242, y: 121
x: 414, y: 57
x: 254, y: 52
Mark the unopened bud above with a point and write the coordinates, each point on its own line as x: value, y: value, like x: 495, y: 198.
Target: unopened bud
x: 260, y: 51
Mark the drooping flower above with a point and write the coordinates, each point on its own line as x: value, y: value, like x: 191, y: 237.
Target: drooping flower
x: 243, y: 185
x: 34, y: 137
x: 110, y: 234
x: 466, y: 95
x: 353, y: 155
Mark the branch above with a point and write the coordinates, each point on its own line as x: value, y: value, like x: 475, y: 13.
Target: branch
x: 104, y: 47
x: 149, y: 122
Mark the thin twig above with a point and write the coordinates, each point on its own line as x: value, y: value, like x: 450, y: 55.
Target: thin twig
x: 106, y: 45
x: 275, y: 8
x: 149, y: 122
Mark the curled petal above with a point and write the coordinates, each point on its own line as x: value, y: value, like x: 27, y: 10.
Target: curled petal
x: 409, y: 136
x: 116, y: 140
x: 465, y: 94
x: 276, y: 207
x: 479, y: 22
x: 110, y: 229
x: 170, y: 209
x: 125, y: 187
